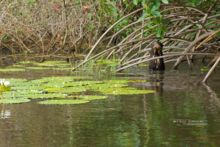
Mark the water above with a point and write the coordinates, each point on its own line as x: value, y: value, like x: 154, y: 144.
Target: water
x: 182, y: 113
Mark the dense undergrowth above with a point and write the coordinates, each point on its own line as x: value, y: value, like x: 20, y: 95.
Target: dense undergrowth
x: 65, y: 27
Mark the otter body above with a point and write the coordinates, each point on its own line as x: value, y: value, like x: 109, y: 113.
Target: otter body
x: 156, y: 51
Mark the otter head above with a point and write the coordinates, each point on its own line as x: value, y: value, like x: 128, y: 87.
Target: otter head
x: 157, y: 48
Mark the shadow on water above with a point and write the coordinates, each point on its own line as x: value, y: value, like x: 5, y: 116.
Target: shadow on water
x: 156, y: 81
x: 180, y: 113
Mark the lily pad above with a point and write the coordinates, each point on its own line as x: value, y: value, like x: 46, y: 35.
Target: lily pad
x: 68, y: 87
x: 47, y: 65
x: 26, y: 62
x: 63, y: 68
x: 92, y: 97
x: 13, y: 101
x: 62, y: 102
x: 53, y: 63
x: 82, y: 83
x: 12, y: 69
x: 38, y: 68
x: 67, y: 90
x: 32, y: 95
x: 4, y: 88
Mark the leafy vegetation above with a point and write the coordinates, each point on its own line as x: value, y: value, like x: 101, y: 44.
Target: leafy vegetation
x: 13, y: 101
x: 62, y: 102
x: 69, y: 35
x: 12, y: 70
x: 64, y: 89
x: 4, y: 88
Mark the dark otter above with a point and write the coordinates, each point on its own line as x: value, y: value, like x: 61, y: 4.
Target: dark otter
x: 156, y: 51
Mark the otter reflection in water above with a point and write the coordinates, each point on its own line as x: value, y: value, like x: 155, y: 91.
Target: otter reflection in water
x: 157, y: 83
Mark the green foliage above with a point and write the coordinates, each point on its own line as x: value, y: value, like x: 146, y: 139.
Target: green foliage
x: 108, y: 10
x: 112, y: 10
x: 152, y: 10
x: 31, y: 3
x: 196, y: 3
x: 165, y: 1
x: 117, y: 9
x: 204, y: 69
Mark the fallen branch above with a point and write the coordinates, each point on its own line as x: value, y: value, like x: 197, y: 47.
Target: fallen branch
x: 211, y: 70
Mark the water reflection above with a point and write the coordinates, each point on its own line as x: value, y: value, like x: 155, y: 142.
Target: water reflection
x: 5, y: 113
x: 156, y: 81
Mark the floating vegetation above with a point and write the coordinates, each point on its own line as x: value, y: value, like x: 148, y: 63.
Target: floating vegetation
x: 92, y: 97
x: 26, y: 62
x: 48, y: 65
x: 65, y: 90
x: 32, y: 65
x: 4, y: 85
x: 53, y: 64
x: 204, y: 69
x: 78, y: 100
x: 34, y: 94
x: 38, y: 68
x: 107, y: 66
x: 85, y: 84
x: 62, y: 89
x: 12, y: 69
x: 4, y: 88
x: 106, y: 62
x: 13, y: 101
x: 62, y: 102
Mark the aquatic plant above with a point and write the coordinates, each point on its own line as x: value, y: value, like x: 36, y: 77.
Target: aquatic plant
x: 13, y: 100
x: 5, y: 83
x: 62, y: 102
x: 92, y: 97
x: 32, y: 65
x: 12, y: 69
x: 64, y: 89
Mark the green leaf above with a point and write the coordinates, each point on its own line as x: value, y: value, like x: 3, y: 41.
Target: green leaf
x: 62, y: 102
x: 135, y: 2
x: 165, y: 1
x: 14, y: 101
x: 156, y: 13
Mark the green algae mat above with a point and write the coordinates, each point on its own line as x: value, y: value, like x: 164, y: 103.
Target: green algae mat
x: 64, y: 90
